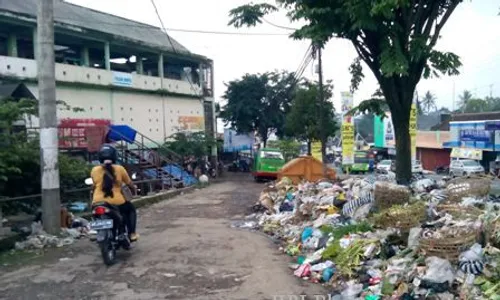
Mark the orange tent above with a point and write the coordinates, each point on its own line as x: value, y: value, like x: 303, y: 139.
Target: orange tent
x: 305, y: 168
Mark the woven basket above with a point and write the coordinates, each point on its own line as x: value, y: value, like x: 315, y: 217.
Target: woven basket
x: 467, y: 187
x: 448, y: 248
x: 403, y: 218
x: 460, y: 212
x: 388, y: 194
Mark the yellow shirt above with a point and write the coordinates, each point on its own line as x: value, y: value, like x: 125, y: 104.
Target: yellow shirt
x: 121, y: 176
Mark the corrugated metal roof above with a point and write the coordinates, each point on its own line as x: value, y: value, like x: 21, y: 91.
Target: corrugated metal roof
x: 86, y: 18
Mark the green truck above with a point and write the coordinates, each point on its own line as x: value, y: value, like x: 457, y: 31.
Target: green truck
x: 267, y: 163
x: 361, y: 163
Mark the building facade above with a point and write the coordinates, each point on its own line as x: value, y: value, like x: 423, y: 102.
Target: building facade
x: 112, y: 69
x: 430, y: 150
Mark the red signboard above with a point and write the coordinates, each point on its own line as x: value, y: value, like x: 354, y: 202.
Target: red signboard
x: 82, y: 133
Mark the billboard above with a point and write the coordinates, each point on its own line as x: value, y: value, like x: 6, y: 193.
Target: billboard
x: 347, y: 102
x: 413, y: 131
x: 347, y: 143
x: 234, y: 142
x: 191, y: 123
x: 316, y: 150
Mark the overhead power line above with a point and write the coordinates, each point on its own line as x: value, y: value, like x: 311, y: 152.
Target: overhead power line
x: 305, y: 62
x: 171, y: 43
x: 278, y: 26
x: 198, y: 31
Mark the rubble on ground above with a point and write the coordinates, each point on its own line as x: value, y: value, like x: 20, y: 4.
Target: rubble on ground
x: 39, y: 239
x: 369, y: 238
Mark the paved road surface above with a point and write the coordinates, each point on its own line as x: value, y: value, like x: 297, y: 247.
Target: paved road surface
x: 187, y: 251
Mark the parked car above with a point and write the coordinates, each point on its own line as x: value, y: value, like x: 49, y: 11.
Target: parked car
x: 465, y: 167
x: 416, y: 167
x: 384, y: 165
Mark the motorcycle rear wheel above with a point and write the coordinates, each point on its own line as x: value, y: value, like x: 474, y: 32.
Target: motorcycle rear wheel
x: 108, y: 253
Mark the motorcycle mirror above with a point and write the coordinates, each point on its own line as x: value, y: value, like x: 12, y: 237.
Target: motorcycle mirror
x: 134, y: 176
x: 89, y: 181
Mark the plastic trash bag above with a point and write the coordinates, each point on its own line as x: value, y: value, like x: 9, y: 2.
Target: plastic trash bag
x: 308, y: 231
x: 438, y: 270
x: 322, y: 266
x: 352, y: 291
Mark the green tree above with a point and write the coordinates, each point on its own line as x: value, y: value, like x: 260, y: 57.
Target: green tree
x: 259, y: 103
x: 493, y: 103
x: 303, y: 120
x: 475, y: 105
x: 20, y: 156
x: 429, y: 102
x: 395, y: 39
x: 289, y: 146
x: 195, y: 144
x: 464, y: 99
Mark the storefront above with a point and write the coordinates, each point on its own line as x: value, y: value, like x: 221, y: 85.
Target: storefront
x: 478, y: 140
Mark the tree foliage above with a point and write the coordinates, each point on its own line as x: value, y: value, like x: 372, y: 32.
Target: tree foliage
x: 464, y: 98
x: 20, y: 155
x: 396, y: 39
x: 303, y: 121
x: 259, y: 103
x: 429, y: 102
x: 288, y: 146
x: 468, y: 103
x: 196, y: 144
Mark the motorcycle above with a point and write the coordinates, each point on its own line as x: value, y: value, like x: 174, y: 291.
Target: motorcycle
x: 106, y: 221
x: 442, y: 170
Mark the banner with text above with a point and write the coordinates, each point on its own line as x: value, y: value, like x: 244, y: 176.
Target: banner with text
x: 413, y: 131
x: 347, y: 143
x: 316, y: 150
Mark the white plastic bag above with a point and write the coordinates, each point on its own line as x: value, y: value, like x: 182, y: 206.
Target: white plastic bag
x: 438, y: 270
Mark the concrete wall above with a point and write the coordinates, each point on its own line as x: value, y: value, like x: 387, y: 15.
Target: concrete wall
x: 155, y: 116
x: 27, y: 69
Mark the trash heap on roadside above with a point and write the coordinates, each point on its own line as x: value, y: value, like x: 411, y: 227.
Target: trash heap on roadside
x: 369, y: 238
x: 39, y: 239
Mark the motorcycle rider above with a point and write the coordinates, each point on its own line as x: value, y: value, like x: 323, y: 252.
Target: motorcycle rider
x: 108, y: 179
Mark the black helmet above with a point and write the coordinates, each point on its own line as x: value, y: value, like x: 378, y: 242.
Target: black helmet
x: 107, y: 152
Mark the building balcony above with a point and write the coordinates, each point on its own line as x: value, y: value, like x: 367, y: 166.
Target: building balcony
x: 26, y: 69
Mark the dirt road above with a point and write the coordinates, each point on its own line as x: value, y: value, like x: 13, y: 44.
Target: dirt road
x: 187, y: 250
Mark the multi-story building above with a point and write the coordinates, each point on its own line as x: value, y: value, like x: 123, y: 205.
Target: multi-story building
x: 117, y: 70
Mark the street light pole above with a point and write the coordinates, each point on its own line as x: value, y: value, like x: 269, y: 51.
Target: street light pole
x: 51, y: 201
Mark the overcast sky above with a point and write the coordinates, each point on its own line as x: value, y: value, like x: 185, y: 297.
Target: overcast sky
x: 473, y: 32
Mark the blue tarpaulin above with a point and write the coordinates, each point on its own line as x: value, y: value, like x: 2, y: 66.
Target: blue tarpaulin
x: 121, y: 133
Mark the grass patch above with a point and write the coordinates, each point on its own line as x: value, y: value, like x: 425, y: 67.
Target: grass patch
x: 14, y: 258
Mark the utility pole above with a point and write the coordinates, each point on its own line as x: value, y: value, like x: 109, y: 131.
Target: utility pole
x: 322, y: 115
x: 51, y: 201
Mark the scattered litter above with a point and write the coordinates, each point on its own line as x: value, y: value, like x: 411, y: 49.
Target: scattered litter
x: 64, y: 259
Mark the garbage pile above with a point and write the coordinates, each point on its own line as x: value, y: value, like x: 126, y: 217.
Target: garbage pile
x: 373, y: 239
x: 39, y: 239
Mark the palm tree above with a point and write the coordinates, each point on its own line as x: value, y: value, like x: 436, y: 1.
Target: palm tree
x: 464, y: 99
x: 429, y: 102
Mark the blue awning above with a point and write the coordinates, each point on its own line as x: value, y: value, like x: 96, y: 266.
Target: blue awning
x: 121, y: 133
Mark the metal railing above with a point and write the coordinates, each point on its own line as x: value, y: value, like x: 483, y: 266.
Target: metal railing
x: 143, y: 149
x: 149, y: 185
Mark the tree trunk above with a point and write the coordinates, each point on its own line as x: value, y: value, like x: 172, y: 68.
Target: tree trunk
x: 309, y: 148
x: 403, y: 147
x: 399, y: 94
